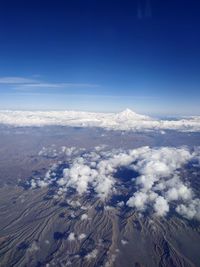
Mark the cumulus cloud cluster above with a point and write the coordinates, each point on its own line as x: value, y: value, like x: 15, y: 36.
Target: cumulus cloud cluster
x: 50, y: 151
x: 74, y: 237
x: 158, y: 186
x: 53, y: 151
x: 92, y: 255
x: 159, y: 181
x: 125, y: 120
x: 71, y: 236
x: 48, y: 178
x: 81, y: 236
x: 84, y: 217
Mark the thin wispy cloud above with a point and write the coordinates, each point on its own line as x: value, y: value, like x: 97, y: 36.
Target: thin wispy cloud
x: 54, y: 85
x: 27, y: 84
x: 16, y: 80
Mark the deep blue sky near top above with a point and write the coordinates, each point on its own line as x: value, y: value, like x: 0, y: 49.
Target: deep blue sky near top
x: 101, y: 55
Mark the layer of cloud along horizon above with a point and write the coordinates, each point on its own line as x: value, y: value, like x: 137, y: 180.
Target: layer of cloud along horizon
x: 125, y: 120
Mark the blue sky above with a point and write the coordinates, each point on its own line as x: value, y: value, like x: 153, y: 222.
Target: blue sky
x: 101, y: 55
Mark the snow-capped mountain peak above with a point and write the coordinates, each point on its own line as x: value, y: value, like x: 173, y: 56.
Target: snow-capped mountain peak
x: 128, y: 114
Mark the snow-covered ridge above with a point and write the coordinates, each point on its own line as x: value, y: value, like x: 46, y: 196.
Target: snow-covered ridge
x: 125, y: 120
x: 129, y: 115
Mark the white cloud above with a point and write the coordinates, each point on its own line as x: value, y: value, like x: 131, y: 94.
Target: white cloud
x: 69, y: 151
x: 34, y: 247
x: 108, y: 208
x: 190, y: 210
x: 57, y: 85
x: 71, y: 237
x: 81, y: 236
x: 138, y: 200
x: 120, y: 204
x: 161, y: 206
x: 124, y: 242
x: 42, y: 183
x: 48, y: 151
x: 92, y: 255
x: 111, y: 260
x: 126, y: 120
x: 84, y: 217
x: 16, y: 80
x: 180, y: 192
x: 47, y: 242
x: 24, y: 83
x: 158, y: 184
